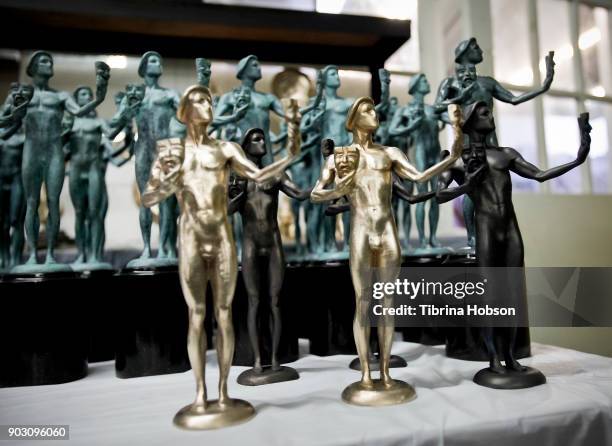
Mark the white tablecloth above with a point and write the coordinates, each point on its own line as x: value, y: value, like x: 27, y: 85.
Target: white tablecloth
x: 574, y: 407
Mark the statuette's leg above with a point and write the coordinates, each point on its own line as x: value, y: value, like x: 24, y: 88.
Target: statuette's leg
x: 193, y: 275
x: 223, y: 281
x: 276, y: 272
x: 250, y: 275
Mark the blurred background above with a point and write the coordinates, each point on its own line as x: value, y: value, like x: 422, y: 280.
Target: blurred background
x: 566, y: 222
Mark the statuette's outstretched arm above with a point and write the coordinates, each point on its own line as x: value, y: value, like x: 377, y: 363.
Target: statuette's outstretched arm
x: 404, y: 169
x: 318, y: 95
x: 102, y: 76
x: 385, y: 80
x: 504, y: 95
x: 527, y: 170
x: 248, y: 169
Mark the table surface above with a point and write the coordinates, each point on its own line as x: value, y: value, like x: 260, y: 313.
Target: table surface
x: 574, y: 407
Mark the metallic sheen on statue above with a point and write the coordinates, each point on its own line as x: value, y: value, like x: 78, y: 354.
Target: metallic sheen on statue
x: 197, y: 170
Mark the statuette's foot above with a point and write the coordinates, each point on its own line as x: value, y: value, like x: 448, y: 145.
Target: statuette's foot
x: 214, y: 415
x: 394, y: 362
x: 496, y: 366
x: 434, y: 243
x: 50, y: 259
x: 379, y: 393
x: 32, y: 260
x: 268, y: 375
x: 387, y: 381
x: 513, y: 364
x: 510, y: 379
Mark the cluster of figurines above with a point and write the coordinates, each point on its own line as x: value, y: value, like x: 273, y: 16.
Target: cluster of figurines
x: 189, y: 163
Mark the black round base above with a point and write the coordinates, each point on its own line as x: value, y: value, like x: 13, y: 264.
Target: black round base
x: 395, y: 362
x: 510, y: 379
x: 151, y: 326
x: 44, y: 328
x: 252, y: 377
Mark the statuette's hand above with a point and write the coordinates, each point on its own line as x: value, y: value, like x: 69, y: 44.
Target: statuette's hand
x: 550, y: 69
x: 585, y: 137
x: 345, y: 184
x: 102, y: 77
x: 293, y: 118
x: 385, y: 76
x: 319, y: 87
x: 474, y: 171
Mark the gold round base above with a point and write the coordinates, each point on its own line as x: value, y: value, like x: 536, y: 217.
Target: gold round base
x: 214, y: 416
x: 378, y: 394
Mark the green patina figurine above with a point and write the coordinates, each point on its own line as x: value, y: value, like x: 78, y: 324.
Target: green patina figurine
x: 43, y: 157
x: 152, y: 114
x: 334, y: 128
x: 466, y: 87
x: 86, y: 149
x: 12, y: 202
x: 422, y: 123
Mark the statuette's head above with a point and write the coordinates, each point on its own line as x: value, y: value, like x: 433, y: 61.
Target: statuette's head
x: 468, y: 51
x: 362, y: 115
x: 419, y: 84
x: 83, y: 95
x: 330, y: 75
x: 466, y: 73
x: 346, y: 160
x: 195, y: 106
x: 254, y: 143
x: 150, y: 64
x: 478, y: 117
x: 249, y: 68
x: 41, y: 64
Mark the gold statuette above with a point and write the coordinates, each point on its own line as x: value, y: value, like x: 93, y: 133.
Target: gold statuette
x: 197, y: 170
x: 363, y: 172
